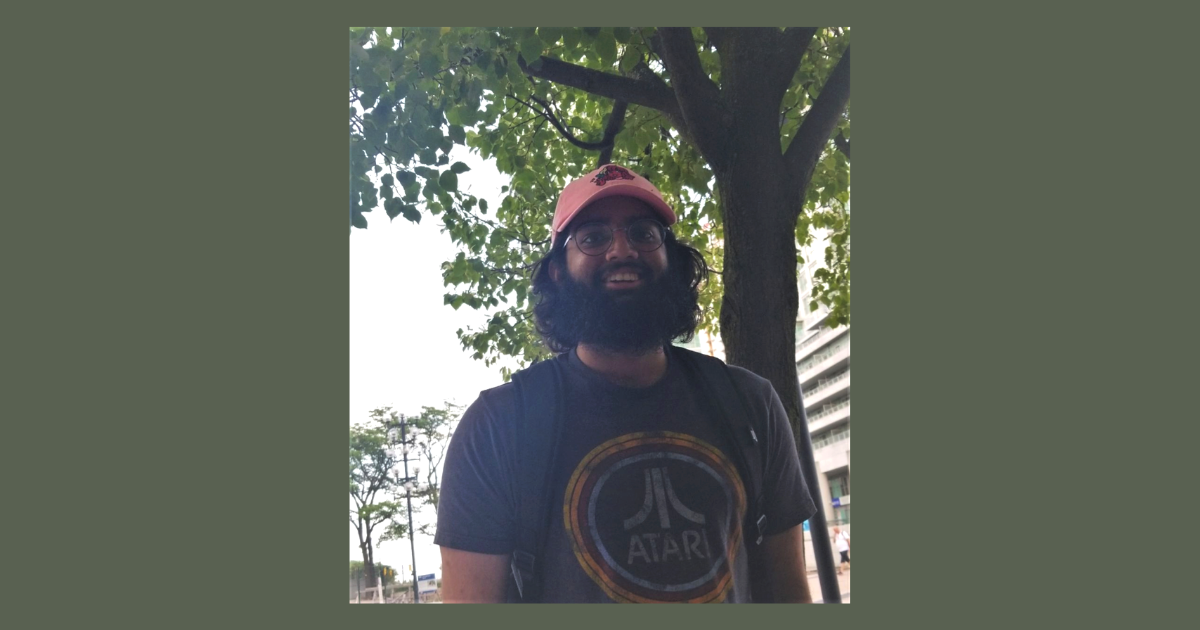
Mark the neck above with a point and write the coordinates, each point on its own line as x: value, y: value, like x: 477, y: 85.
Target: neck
x: 628, y: 370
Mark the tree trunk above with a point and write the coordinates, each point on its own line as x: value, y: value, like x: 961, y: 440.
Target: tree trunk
x: 368, y: 561
x: 758, y: 310
x: 761, y: 202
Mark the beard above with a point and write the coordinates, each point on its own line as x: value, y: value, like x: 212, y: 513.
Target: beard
x: 628, y: 321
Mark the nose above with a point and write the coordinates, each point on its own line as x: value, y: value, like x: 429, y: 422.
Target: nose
x: 620, y: 248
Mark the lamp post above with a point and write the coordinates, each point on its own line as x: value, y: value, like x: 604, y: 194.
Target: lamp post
x: 397, y: 436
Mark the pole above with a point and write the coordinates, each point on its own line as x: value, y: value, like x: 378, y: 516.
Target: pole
x: 830, y: 592
x: 408, y: 498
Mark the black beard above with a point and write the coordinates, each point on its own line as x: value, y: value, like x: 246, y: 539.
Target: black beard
x: 631, y: 321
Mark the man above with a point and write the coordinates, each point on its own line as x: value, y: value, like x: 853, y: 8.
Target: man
x: 842, y: 539
x: 648, y: 501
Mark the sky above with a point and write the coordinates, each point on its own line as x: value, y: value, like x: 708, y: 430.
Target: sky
x: 404, y: 352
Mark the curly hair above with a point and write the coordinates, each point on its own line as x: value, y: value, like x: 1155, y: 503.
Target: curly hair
x: 686, y: 270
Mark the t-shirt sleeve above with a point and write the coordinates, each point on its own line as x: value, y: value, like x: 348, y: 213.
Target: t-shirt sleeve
x: 476, y: 507
x: 786, y: 499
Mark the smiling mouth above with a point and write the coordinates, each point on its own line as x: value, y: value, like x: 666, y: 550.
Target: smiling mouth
x: 622, y: 279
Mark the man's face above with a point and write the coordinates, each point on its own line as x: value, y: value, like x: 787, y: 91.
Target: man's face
x: 622, y: 300
x: 622, y: 268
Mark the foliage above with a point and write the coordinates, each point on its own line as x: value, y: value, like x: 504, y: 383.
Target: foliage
x: 372, y: 513
x: 431, y: 431
x: 379, y: 510
x: 415, y: 93
x: 358, y: 571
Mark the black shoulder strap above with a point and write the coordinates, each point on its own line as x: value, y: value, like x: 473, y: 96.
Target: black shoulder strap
x: 724, y: 396
x: 539, y: 394
x: 739, y: 428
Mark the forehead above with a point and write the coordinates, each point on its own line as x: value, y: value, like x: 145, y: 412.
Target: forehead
x: 614, y: 211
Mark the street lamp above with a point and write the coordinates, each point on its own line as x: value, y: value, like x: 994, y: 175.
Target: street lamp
x: 398, y: 437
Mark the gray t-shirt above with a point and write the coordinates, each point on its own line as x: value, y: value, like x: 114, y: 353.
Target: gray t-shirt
x: 648, y: 502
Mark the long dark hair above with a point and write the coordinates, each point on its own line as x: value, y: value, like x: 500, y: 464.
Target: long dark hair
x: 686, y: 270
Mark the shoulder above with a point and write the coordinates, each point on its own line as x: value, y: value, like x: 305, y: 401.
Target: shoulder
x: 493, y: 408
x: 500, y: 403
x: 750, y: 382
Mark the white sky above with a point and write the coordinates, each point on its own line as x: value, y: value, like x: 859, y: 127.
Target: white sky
x: 403, y: 349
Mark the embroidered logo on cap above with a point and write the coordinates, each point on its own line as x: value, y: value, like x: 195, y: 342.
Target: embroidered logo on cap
x: 610, y: 173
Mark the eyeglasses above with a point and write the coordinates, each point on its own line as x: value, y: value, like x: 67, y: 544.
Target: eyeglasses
x: 595, y: 238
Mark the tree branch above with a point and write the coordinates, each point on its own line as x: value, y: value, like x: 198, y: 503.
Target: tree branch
x: 699, y: 99
x: 843, y: 144
x: 793, y: 44
x: 802, y: 154
x: 640, y: 92
x: 615, y: 120
x: 545, y: 113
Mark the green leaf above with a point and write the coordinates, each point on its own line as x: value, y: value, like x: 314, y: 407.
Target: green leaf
x: 550, y: 34
x: 606, y: 47
x: 630, y: 59
x: 483, y: 205
x: 448, y: 181
x: 386, y: 179
x: 572, y: 37
x: 393, y: 207
x: 458, y: 134
x: 358, y: 220
x: 622, y: 34
x: 531, y: 48
x: 459, y: 167
x: 411, y: 213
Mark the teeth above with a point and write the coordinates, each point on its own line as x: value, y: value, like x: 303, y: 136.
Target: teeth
x: 623, y: 277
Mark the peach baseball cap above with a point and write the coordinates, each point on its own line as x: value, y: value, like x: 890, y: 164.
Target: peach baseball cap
x: 607, y: 181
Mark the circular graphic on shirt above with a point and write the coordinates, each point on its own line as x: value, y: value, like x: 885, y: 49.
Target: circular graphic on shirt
x: 656, y: 517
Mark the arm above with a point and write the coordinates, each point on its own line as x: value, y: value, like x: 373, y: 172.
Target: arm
x: 473, y: 578
x: 784, y: 566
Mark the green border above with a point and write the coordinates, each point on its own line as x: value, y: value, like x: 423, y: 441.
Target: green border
x: 224, y: 358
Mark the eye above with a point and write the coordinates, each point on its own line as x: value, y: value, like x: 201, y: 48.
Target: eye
x: 643, y: 232
x: 592, y: 234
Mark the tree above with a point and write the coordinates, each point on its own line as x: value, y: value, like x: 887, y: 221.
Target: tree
x: 431, y: 431
x: 358, y: 573
x: 371, y: 480
x: 746, y: 131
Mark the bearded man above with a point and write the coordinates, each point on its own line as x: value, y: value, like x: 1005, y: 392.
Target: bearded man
x: 670, y: 477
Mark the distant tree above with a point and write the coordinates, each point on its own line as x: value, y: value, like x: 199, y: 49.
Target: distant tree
x: 379, y: 511
x: 373, y: 510
x: 432, y: 430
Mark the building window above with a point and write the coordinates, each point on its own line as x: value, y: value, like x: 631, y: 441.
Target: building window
x: 839, y: 485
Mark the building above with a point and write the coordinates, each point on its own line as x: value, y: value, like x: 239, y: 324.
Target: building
x: 823, y: 366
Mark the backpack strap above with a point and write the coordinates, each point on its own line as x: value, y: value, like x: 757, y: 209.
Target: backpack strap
x: 538, y: 429
x: 724, y: 397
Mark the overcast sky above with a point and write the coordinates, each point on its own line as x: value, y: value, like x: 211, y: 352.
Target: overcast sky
x: 403, y: 349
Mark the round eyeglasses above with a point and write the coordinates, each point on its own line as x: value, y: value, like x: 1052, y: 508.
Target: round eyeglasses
x: 595, y: 238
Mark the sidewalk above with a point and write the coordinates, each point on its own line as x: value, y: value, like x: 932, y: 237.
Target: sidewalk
x: 814, y: 586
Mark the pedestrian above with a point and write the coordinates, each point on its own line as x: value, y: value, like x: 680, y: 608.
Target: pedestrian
x: 842, y: 540
x: 657, y: 491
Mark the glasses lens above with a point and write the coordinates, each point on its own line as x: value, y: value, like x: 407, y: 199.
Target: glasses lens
x: 645, y: 234
x: 593, y: 238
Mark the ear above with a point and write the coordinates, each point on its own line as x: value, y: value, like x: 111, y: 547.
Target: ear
x: 554, y: 270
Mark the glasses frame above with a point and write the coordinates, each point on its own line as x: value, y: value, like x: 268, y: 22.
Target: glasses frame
x: 663, y: 230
